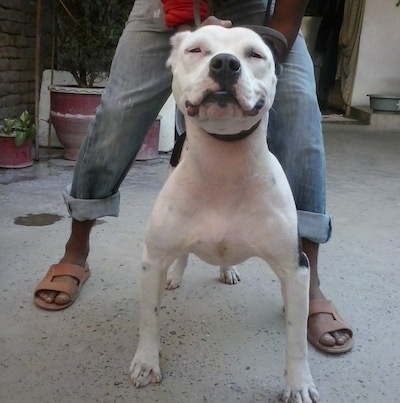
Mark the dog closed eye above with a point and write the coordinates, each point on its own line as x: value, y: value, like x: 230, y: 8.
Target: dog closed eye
x: 256, y: 55
x: 252, y: 52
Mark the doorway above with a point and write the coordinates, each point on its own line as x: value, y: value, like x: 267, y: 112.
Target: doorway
x: 321, y: 27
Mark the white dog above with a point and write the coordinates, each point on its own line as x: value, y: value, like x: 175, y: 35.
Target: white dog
x: 228, y: 199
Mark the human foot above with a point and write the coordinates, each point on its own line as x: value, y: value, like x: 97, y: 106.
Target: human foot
x: 61, y: 285
x: 326, y: 330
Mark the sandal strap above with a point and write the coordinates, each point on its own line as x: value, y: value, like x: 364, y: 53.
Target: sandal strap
x: 321, y: 306
x: 326, y: 306
x: 67, y: 269
x: 63, y: 269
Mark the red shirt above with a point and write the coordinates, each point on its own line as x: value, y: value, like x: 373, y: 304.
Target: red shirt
x: 179, y: 12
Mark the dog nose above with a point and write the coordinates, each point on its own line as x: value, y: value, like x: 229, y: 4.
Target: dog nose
x: 225, y: 67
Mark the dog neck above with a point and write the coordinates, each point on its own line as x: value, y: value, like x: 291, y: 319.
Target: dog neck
x: 237, y: 136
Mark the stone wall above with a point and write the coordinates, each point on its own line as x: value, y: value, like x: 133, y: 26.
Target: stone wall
x: 17, y: 54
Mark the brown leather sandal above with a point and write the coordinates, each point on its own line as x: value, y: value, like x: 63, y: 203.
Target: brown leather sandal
x: 337, y: 323
x: 62, y: 269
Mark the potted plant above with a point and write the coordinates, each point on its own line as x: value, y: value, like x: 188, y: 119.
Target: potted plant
x: 16, y: 135
x: 86, y: 36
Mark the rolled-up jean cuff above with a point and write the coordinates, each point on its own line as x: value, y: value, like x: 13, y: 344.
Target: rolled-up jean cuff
x: 315, y: 227
x: 90, y: 209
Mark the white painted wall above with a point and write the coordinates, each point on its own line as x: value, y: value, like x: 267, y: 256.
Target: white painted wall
x: 378, y: 67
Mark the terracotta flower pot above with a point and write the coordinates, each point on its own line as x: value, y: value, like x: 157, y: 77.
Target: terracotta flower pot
x: 12, y: 156
x: 71, y: 111
x: 149, y: 148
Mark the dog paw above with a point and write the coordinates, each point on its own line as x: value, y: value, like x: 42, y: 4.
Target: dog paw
x: 307, y: 393
x: 175, y: 272
x: 173, y: 283
x: 141, y: 374
x: 229, y: 275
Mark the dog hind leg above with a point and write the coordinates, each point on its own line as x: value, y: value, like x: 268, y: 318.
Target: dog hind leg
x: 229, y: 275
x: 175, y: 272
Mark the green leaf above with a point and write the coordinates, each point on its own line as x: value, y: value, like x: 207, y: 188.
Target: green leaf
x: 19, y: 138
x: 31, y: 132
x: 25, y: 118
x: 18, y: 125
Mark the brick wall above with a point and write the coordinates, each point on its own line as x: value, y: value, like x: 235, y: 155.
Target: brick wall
x: 17, y: 56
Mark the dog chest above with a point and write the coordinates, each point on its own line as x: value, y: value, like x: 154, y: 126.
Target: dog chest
x: 225, y: 238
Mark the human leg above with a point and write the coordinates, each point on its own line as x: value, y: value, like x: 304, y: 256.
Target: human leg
x: 139, y: 85
x: 295, y: 137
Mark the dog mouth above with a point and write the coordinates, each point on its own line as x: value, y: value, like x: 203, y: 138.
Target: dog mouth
x: 222, y: 99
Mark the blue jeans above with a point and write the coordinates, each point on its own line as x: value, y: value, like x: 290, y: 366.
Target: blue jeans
x: 139, y: 84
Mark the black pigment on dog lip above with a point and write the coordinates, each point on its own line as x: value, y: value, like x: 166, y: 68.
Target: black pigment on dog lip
x: 221, y: 98
x: 192, y: 110
x: 259, y: 105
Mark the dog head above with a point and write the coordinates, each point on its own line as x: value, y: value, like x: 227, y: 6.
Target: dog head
x: 223, y: 78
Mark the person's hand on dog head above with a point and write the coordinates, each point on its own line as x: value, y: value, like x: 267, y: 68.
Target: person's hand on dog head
x: 211, y: 20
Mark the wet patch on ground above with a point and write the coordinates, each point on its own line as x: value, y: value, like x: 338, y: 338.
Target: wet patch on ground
x: 6, y: 179
x: 37, y: 220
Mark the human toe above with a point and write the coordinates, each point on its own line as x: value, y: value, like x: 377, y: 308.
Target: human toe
x: 328, y: 340
x: 341, y: 337
x: 62, y: 298
x: 47, y: 295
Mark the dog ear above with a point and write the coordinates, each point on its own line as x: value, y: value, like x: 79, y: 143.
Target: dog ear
x: 275, y: 40
x: 175, y: 41
x: 276, y: 53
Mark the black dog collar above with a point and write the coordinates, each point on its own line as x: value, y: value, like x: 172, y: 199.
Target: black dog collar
x: 235, y: 137
x: 180, y: 140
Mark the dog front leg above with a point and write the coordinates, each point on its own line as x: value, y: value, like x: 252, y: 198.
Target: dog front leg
x: 145, y: 367
x: 299, y: 382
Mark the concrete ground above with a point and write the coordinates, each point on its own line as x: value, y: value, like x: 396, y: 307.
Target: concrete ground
x: 220, y: 343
